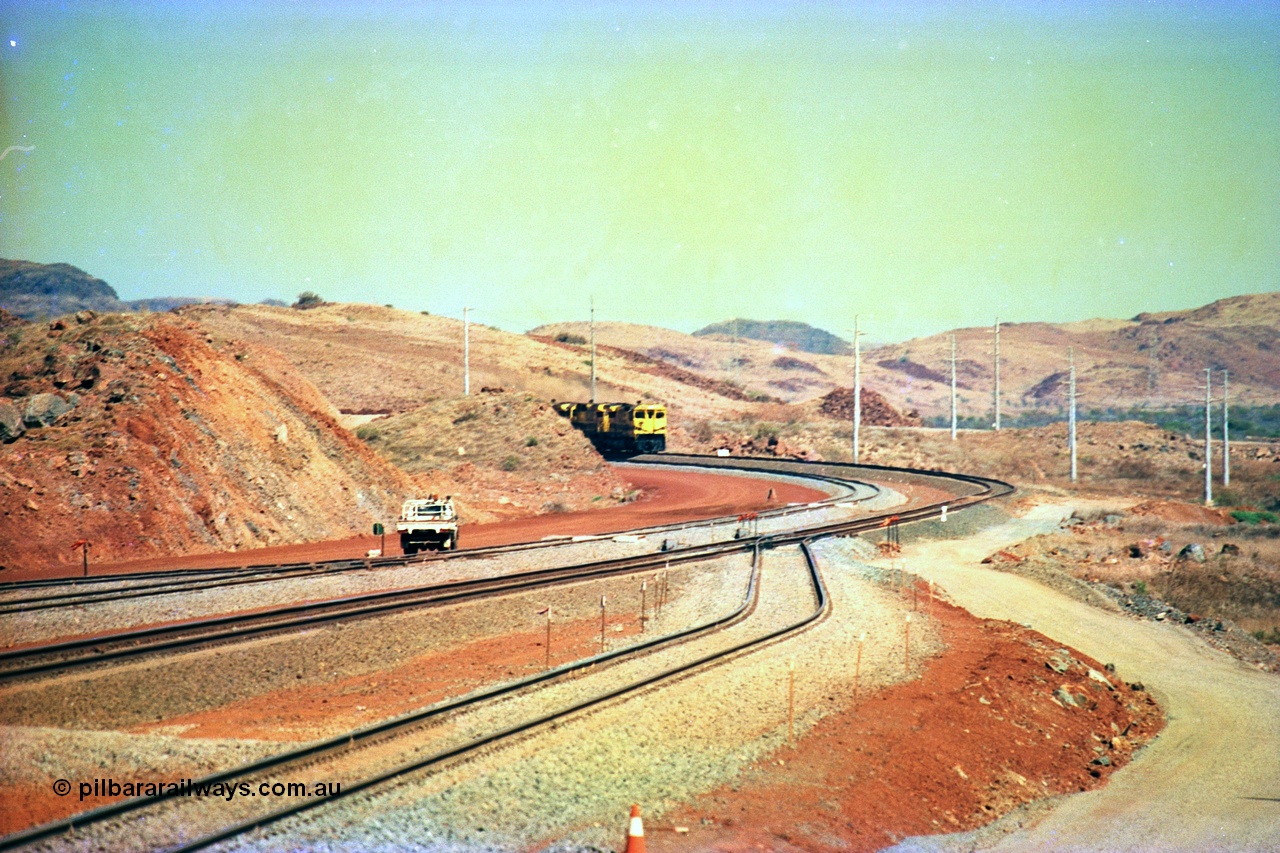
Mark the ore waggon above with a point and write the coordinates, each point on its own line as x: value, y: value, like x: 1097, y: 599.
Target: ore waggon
x: 620, y: 428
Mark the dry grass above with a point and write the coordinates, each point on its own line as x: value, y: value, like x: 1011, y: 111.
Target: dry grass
x: 501, y: 454
x: 495, y: 432
x: 1112, y: 359
x: 1126, y: 461
x: 1239, y: 580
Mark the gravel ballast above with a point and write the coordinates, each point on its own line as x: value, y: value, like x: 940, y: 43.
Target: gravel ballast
x: 706, y: 727
x: 660, y: 747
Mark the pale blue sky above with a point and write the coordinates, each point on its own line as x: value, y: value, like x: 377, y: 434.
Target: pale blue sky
x: 926, y: 165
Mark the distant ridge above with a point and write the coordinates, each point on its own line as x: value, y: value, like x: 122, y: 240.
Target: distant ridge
x: 35, y: 291
x: 789, y: 333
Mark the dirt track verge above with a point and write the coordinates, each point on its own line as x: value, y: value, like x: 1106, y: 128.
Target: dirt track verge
x: 1208, y: 782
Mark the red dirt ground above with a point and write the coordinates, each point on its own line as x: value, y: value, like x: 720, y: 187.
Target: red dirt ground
x: 979, y: 734
x: 323, y: 709
x: 1183, y: 513
x: 929, y: 756
x: 924, y: 757
x: 326, y: 708
x: 667, y: 497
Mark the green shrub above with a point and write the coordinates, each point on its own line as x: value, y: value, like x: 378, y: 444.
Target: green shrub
x: 1248, y: 516
x: 511, y: 463
x: 367, y: 433
x: 1272, y: 638
x: 531, y: 441
x: 766, y: 431
x: 308, y: 299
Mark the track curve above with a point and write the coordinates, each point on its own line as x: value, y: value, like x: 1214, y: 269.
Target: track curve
x: 964, y: 490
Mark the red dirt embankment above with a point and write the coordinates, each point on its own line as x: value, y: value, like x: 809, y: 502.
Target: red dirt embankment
x: 668, y: 496
x: 171, y: 445
x: 982, y: 731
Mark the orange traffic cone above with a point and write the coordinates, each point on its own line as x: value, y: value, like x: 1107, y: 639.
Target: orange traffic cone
x: 635, y: 833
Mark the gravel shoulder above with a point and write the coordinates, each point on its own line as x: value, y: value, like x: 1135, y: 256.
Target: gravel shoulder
x: 658, y: 746
x: 1211, y: 781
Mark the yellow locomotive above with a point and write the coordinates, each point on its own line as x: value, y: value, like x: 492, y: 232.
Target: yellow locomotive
x: 619, y: 428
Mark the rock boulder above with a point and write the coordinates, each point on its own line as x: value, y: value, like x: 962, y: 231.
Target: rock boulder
x: 10, y: 421
x: 44, y: 410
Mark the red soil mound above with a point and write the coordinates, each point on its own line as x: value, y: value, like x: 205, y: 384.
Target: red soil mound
x: 979, y: 734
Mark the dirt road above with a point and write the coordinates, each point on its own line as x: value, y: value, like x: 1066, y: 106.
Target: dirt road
x: 1211, y: 781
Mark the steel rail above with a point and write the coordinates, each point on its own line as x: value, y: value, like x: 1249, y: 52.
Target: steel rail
x: 593, y: 703
x: 168, y: 584
x: 37, y: 659
x: 365, y: 734
x: 29, y: 660
x: 988, y: 489
x: 222, y: 629
x: 177, y: 581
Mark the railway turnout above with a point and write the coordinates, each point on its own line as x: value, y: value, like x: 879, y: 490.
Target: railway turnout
x: 461, y: 728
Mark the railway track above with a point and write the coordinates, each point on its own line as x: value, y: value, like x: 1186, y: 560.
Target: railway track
x: 294, y: 760
x: 134, y: 811
x: 49, y: 594
x: 200, y: 633
x: 96, y: 650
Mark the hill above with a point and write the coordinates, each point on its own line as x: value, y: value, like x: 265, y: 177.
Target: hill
x: 372, y: 360
x: 758, y: 371
x: 504, y: 453
x: 139, y: 434
x: 788, y: 333
x: 1154, y: 360
x: 39, y: 291
x: 397, y: 379
x: 29, y: 290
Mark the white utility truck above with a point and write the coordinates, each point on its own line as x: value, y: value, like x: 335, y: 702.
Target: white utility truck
x: 428, y: 524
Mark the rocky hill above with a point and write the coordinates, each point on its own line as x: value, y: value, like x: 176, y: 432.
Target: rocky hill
x: 503, y: 453
x: 1153, y: 360
x: 755, y: 370
x: 793, y: 335
x: 30, y: 290
x: 40, y: 291
x: 142, y: 435
x: 372, y: 360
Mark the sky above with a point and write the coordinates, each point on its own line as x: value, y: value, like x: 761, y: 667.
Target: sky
x: 924, y: 165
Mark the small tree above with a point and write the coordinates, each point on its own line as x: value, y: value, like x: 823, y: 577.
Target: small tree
x: 308, y: 299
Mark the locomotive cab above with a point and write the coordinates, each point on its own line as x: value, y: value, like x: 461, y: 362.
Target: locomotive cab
x: 650, y: 428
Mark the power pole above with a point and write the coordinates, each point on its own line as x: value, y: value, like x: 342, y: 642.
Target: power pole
x: 1071, y: 412
x: 593, y: 350
x: 1208, y: 446
x: 857, y: 386
x: 466, y: 353
x: 1226, y: 441
x: 953, y: 387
